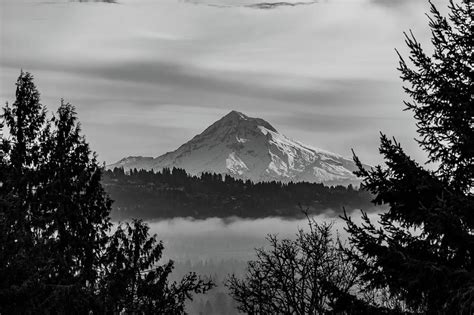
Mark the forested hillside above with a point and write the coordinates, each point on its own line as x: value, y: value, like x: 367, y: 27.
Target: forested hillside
x: 174, y: 193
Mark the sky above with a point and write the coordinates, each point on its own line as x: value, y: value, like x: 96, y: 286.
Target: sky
x: 146, y: 76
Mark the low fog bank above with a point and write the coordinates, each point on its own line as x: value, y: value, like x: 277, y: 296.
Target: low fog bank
x: 217, y: 239
x: 219, y: 247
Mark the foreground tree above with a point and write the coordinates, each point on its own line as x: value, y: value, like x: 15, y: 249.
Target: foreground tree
x: 134, y: 282
x: 55, y: 250
x: 423, y: 248
x: 57, y: 214
x: 21, y: 246
x: 308, y: 275
x: 75, y: 212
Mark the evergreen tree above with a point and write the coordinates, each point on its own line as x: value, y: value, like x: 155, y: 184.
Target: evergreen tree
x: 21, y: 245
x: 134, y: 283
x: 76, y: 209
x: 423, y: 250
x: 56, y: 255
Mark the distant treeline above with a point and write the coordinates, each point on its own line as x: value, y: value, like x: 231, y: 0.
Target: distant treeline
x: 174, y: 193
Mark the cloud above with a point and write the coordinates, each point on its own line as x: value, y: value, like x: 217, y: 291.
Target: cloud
x: 255, y: 4
x: 323, y: 74
x: 335, y: 123
x: 190, y: 81
x: 274, y: 5
x: 251, y: 4
x: 264, y: 86
x: 393, y: 3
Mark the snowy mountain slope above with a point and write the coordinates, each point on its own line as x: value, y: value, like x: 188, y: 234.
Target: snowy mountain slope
x: 250, y: 148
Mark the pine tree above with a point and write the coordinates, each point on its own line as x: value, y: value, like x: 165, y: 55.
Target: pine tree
x: 423, y: 248
x: 77, y: 211
x: 22, y: 243
x: 56, y: 254
x: 54, y: 212
x: 134, y: 282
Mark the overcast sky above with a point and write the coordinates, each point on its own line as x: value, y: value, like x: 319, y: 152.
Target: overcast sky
x: 147, y: 75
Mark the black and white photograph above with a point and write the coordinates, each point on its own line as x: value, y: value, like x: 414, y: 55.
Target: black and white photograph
x: 230, y: 157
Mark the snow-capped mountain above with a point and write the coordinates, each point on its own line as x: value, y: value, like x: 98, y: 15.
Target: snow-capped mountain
x: 250, y: 148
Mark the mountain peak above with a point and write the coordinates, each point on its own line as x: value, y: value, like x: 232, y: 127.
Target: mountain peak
x: 235, y: 115
x: 239, y: 121
x: 251, y: 148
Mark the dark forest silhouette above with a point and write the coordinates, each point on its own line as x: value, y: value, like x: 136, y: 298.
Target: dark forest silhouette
x: 174, y: 193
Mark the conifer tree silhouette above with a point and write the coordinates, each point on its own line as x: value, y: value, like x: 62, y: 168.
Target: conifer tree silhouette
x: 423, y: 250
x: 56, y: 251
